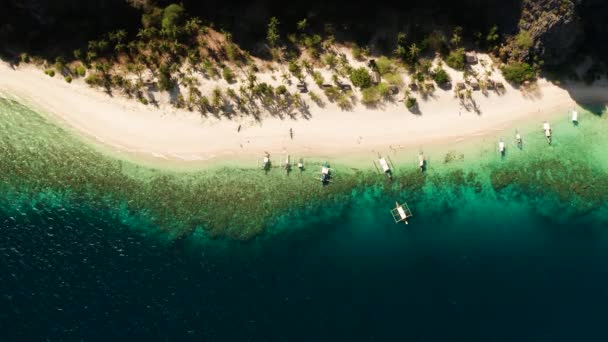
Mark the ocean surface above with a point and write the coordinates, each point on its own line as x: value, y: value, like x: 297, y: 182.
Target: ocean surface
x: 499, y: 249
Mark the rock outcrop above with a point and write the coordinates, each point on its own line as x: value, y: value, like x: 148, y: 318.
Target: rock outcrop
x: 550, y: 30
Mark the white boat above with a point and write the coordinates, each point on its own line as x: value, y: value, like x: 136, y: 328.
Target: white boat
x: 401, y: 213
x: 574, y: 116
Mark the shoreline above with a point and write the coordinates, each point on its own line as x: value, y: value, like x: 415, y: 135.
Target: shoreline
x: 182, y: 139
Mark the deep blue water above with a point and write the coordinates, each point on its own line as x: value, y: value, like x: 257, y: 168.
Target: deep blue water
x: 487, y: 271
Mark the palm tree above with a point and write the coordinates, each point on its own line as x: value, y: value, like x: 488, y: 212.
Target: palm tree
x: 414, y: 51
x: 192, y: 26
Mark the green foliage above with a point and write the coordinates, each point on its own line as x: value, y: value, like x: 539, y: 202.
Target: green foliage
x: 173, y: 15
x: 313, y: 44
x: 294, y: 68
x: 370, y: 96
x: 281, y: 90
x: 414, y: 51
x: 456, y: 36
x: 232, y: 51
x: 411, y: 102
x: 68, y: 78
x: 361, y: 78
x: 272, y: 34
x: 384, y: 65
x: 93, y: 79
x: 50, y: 72
x: 332, y: 93
x: 330, y: 60
x: 401, y: 39
x: 394, y: 79
x: 228, y: 75
x: 441, y: 76
x: 302, y: 25
x: 524, y: 39
x: 165, y: 81
x: 152, y: 18
x: 384, y: 90
x: 316, y: 99
x: 357, y: 53
x: 493, y: 36
x: 456, y: 59
x: 436, y: 41
x: 518, y: 72
x: 318, y: 78
x: 204, y: 104
x: 24, y: 57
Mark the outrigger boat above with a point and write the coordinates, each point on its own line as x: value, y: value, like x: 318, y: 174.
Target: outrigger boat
x: 401, y: 213
x: 266, y: 164
x: 518, y: 140
x: 421, y: 162
x: 384, y: 164
x: 574, y: 116
x: 287, y: 164
x: 501, y: 147
x: 326, y: 174
x: 547, y: 129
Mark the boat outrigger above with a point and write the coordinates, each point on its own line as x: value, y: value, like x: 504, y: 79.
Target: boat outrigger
x: 401, y: 213
x: 547, y: 129
x: 326, y: 174
x: 384, y: 164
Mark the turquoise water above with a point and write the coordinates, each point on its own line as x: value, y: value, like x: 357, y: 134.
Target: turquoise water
x: 498, y: 250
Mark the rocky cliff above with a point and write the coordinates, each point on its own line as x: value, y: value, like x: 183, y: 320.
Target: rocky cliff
x: 548, y: 30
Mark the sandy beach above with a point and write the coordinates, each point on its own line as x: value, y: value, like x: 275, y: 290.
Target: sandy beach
x: 166, y: 133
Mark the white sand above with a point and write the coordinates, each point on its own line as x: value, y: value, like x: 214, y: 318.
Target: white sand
x: 126, y: 125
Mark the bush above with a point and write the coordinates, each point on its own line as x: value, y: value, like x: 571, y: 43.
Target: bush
x: 411, y: 103
x: 93, y: 79
x: 357, y: 53
x: 524, y: 40
x: 384, y: 65
x: 165, y: 81
x: 456, y: 59
x: 294, y: 68
x: 281, y: 90
x: 441, y: 76
x: 25, y: 58
x: 228, y: 75
x: 316, y: 99
x: 50, y: 72
x: 68, y: 79
x: 318, y: 78
x: 231, y: 50
x: 361, y: 78
x: 330, y: 60
x: 394, y: 79
x: 370, y: 96
x: 332, y: 93
x: 81, y: 70
x: 518, y: 72
x: 172, y: 16
x: 384, y: 90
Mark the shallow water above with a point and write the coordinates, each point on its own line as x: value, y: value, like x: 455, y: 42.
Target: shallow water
x: 499, y: 249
